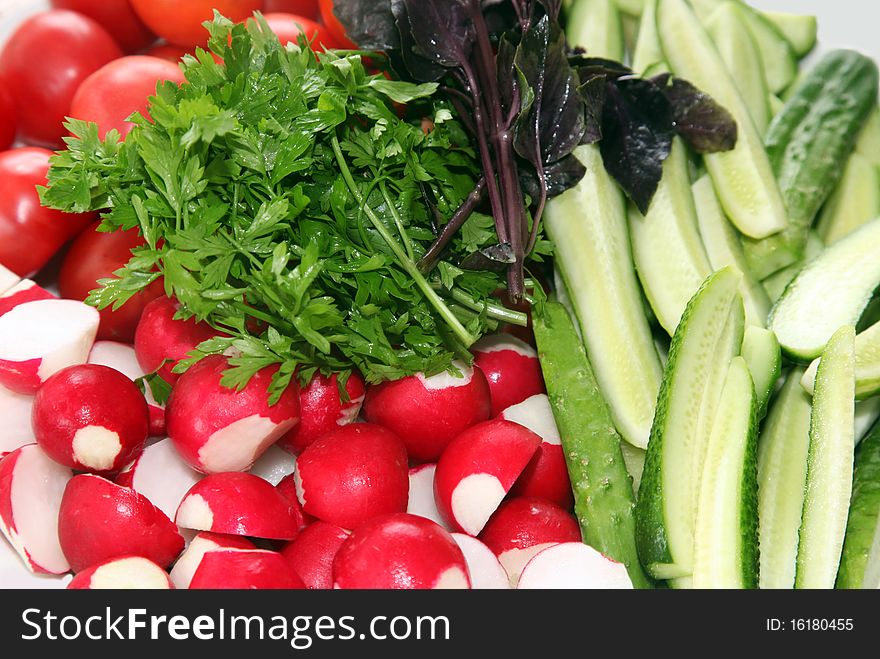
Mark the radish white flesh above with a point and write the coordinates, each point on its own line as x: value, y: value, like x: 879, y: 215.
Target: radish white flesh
x: 38, y: 339
x: 485, y: 570
x: 421, y: 494
x: 27, y: 290
x: 31, y: 489
x: 125, y: 573
x: 274, y: 465
x: 573, y: 565
x: 202, y: 543
x: 8, y: 279
x: 15, y: 427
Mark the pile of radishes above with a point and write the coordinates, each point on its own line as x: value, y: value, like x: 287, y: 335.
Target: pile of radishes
x: 449, y: 481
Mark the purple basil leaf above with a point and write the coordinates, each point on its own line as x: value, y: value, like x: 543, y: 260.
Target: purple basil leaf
x: 705, y: 125
x: 369, y: 23
x: 442, y: 30
x: 593, y: 94
x: 407, y: 60
x: 589, y: 67
x: 496, y: 258
x: 508, y: 81
x: 552, y: 7
x: 559, y: 177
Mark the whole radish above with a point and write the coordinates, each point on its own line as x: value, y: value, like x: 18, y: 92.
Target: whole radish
x: 511, y: 368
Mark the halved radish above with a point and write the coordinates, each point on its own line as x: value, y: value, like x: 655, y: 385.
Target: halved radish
x: 99, y: 520
x: 251, y: 569
x: 311, y: 554
x: 122, y: 573
x: 8, y: 279
x: 353, y: 474
x: 274, y: 465
x: 400, y: 551
x: 484, y: 568
x: 477, y: 470
x: 121, y: 357
x: 511, y: 368
x: 26, y: 290
x: 161, y: 475
x: 421, y: 494
x: 38, y: 339
x: 91, y: 418
x: 428, y: 412
x: 31, y: 488
x: 204, y: 541
x: 547, y: 474
x: 236, y: 503
x: 287, y: 488
x: 322, y: 410
x: 523, y: 526
x: 15, y: 428
x: 573, y: 565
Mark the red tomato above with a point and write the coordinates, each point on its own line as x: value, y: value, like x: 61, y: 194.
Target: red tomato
x: 115, y: 16
x: 329, y: 19
x: 288, y: 27
x: 112, y: 93
x: 44, y: 62
x: 180, y: 21
x: 7, y: 118
x: 30, y: 234
x: 307, y: 8
x: 95, y: 255
x: 173, y: 53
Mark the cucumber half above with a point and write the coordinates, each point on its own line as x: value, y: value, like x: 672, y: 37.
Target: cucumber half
x: 761, y: 351
x: 867, y: 364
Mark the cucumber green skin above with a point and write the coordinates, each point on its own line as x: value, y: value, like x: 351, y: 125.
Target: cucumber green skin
x: 808, y: 144
x: 763, y: 355
x: 864, y: 516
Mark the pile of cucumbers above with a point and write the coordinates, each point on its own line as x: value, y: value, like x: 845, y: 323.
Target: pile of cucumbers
x: 714, y: 363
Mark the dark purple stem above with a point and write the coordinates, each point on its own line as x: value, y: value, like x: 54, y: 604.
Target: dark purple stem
x: 432, y: 256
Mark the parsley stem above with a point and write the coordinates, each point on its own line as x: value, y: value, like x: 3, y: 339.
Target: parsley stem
x: 397, y: 220
x: 496, y: 311
x: 460, y: 331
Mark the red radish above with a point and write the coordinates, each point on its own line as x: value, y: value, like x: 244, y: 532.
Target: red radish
x: 311, y: 554
x: 421, y: 494
x: 287, y: 488
x: 252, y: 569
x: 121, y: 357
x: 15, y: 429
x: 217, y: 429
x: 511, y: 367
x: 91, y: 418
x: 159, y: 337
x: 523, y: 526
x: 274, y: 465
x: 428, y: 412
x: 323, y: 410
x: 573, y: 565
x: 160, y: 475
x: 8, y: 279
x: 100, y: 520
x: 38, y: 339
x: 484, y: 568
x: 122, y: 573
x: 26, y: 290
x: 237, y: 504
x: 352, y: 475
x: 477, y: 470
x: 31, y: 488
x: 400, y: 551
x: 202, y: 543
x: 547, y: 474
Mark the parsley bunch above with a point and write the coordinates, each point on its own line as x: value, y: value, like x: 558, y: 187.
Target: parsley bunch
x: 286, y: 202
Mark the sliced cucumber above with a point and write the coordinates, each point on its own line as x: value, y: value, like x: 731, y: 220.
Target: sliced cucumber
x: 648, y: 50
x: 867, y: 413
x: 854, y: 202
x: 708, y: 337
x: 763, y: 355
x: 726, y: 531
x: 867, y: 364
x: 588, y: 226
x: 800, y: 29
x: 631, y: 7
x: 724, y: 249
x: 868, y: 142
x: 743, y: 177
x: 782, y: 475
x: 860, y: 561
x: 595, y: 26
x: 776, y: 104
x: 829, y: 465
x: 775, y: 284
x: 635, y: 463
x: 780, y: 61
x: 831, y: 291
x: 670, y: 276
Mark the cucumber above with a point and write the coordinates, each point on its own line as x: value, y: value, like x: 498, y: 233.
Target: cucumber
x: 647, y: 50
x: 775, y: 284
x: 829, y: 465
x: 724, y: 249
x: 867, y: 413
x: 778, y: 55
x: 726, y: 530
x: 860, y: 561
x: 868, y: 142
x: 742, y: 177
x: 829, y: 292
x: 763, y: 355
x: 867, y: 364
x: 595, y: 26
x: 855, y: 201
x: 670, y: 276
x: 776, y: 104
x: 604, y: 498
x: 738, y: 50
x: 782, y: 476
x: 708, y: 337
x: 588, y: 226
x: 631, y: 7
x: 635, y: 463
x: 808, y: 144
x: 799, y: 29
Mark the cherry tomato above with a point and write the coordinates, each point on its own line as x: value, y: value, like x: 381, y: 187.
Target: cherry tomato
x: 112, y: 93
x: 96, y: 255
x: 288, y: 27
x: 30, y: 234
x: 44, y: 62
x: 329, y: 19
x: 180, y: 21
x: 115, y: 16
x: 307, y: 8
x: 7, y: 118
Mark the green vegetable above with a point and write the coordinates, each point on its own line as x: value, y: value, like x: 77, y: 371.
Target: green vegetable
x: 647, y: 51
x: 761, y: 351
x: 867, y: 364
x: 603, y: 490
x: 855, y: 201
x: 799, y: 29
x: 595, y: 25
